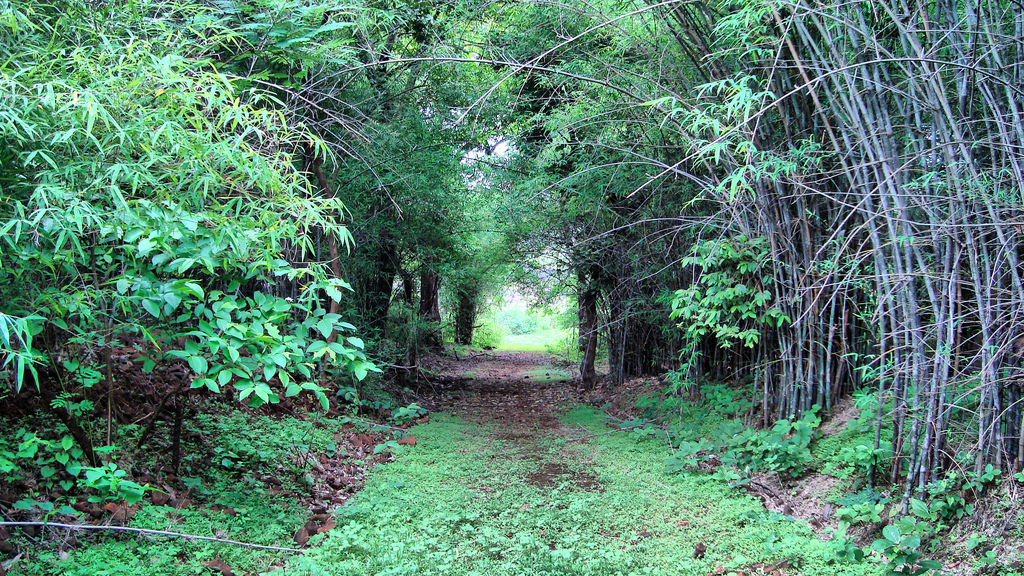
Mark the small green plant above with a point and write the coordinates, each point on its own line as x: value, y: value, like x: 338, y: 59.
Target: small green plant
x: 110, y: 483
x: 688, y: 455
x: 902, y: 552
x: 783, y: 448
x: 863, y: 456
x: 844, y: 549
x: 407, y: 414
x: 975, y: 481
x: 858, y: 513
x: 389, y: 446
x: 987, y: 555
x: 33, y: 454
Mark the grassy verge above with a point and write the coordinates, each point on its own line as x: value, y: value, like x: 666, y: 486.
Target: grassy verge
x: 539, y: 341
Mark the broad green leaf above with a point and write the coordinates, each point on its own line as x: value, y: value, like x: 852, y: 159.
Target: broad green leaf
x: 172, y: 299
x: 152, y: 307
x: 325, y: 327
x: 224, y: 377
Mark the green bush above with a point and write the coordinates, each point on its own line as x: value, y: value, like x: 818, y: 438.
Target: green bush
x: 516, y: 322
x: 488, y: 335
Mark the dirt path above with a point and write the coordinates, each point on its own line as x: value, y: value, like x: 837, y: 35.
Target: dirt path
x: 516, y: 396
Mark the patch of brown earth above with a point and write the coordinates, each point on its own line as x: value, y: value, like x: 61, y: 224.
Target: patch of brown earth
x: 519, y: 410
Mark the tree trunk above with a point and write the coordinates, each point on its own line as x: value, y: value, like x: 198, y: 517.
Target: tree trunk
x: 332, y: 243
x: 377, y: 286
x: 465, y: 316
x: 430, y: 309
x: 587, y: 315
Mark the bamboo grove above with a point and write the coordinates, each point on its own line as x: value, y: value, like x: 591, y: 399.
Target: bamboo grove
x: 866, y: 159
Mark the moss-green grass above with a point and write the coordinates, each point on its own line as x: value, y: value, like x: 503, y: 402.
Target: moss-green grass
x: 546, y: 374
x: 458, y: 503
x: 538, y: 341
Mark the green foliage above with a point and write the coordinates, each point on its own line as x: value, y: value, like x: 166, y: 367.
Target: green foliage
x: 717, y: 398
x: 851, y: 452
x: 901, y: 550
x: 487, y: 336
x: 516, y: 321
x: 110, y: 483
x: 728, y: 300
x: 783, y: 448
x: 56, y: 462
x: 16, y: 348
x: 406, y: 414
x: 157, y: 199
x: 870, y: 512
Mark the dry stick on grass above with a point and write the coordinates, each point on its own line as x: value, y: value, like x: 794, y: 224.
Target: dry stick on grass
x: 154, y: 532
x: 624, y: 428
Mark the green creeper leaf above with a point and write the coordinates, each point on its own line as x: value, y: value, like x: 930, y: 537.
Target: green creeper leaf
x: 891, y: 534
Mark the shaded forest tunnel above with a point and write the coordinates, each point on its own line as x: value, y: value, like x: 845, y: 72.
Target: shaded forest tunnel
x: 281, y: 198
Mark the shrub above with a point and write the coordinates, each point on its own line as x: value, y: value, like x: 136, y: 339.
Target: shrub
x: 488, y: 335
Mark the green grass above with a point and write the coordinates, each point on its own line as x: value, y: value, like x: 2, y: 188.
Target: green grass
x: 546, y: 375
x: 458, y: 503
x: 241, y: 446
x: 538, y: 341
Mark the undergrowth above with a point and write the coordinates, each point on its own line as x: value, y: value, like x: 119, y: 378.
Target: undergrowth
x: 459, y: 503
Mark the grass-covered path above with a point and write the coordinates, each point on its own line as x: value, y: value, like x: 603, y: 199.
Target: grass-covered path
x: 499, y: 484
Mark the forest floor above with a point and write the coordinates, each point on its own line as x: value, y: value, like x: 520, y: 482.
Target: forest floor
x: 514, y: 474
x: 516, y: 471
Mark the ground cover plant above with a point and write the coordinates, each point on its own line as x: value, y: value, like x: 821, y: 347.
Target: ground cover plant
x: 517, y: 496
x: 247, y: 478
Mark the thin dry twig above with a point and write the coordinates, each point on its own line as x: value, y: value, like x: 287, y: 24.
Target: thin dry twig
x: 154, y: 532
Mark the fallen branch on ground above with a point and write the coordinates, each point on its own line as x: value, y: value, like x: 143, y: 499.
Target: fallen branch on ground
x: 374, y: 424
x: 155, y: 532
x: 608, y: 432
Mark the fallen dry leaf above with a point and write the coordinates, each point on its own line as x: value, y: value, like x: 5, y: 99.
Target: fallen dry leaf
x: 220, y: 566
